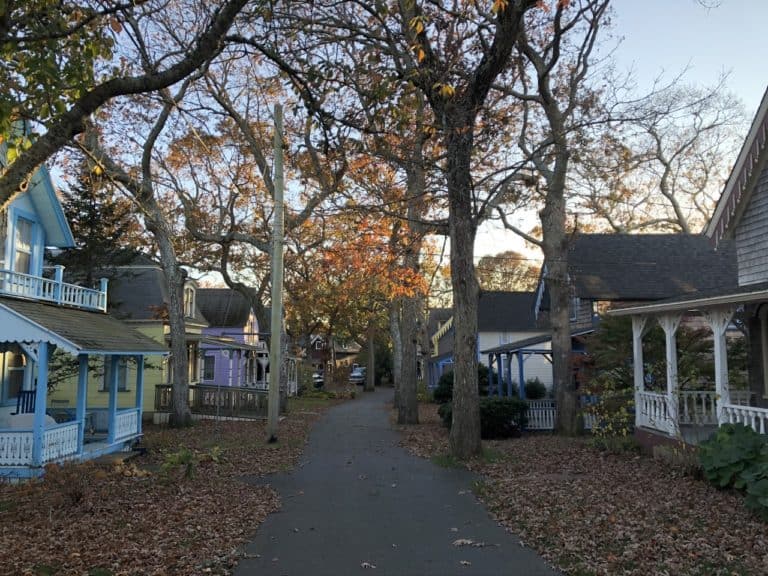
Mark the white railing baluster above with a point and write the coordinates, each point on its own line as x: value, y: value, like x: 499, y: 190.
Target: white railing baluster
x: 39, y: 288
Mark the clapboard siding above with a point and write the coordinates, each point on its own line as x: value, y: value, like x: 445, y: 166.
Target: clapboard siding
x: 752, y: 236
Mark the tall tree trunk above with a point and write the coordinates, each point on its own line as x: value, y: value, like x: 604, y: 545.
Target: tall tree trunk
x: 397, y: 347
x: 370, y: 374
x: 408, y: 408
x: 181, y: 415
x: 464, y: 440
x: 408, y: 405
x: 555, y: 246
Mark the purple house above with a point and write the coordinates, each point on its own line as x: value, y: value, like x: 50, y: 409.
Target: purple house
x: 231, y: 352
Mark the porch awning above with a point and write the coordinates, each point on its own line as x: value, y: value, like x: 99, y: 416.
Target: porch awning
x: 699, y: 300
x: 72, y: 330
x: 512, y: 347
x: 214, y: 343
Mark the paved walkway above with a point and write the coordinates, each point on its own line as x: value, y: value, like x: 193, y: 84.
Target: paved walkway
x: 358, y: 500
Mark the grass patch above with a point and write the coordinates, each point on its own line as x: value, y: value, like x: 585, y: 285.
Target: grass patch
x: 307, y: 404
x: 491, y: 456
x: 446, y: 461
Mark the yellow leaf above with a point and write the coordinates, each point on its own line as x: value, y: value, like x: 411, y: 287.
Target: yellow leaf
x: 499, y: 6
x: 445, y: 90
x: 98, y: 170
x: 420, y: 54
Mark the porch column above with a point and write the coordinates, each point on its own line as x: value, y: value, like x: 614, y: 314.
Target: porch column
x: 500, y: 364
x: 521, y: 371
x: 639, y: 329
x: 718, y: 320
x: 491, y: 379
x: 139, y: 389
x: 41, y: 392
x: 82, y: 395
x: 509, y: 373
x: 112, y: 385
x: 670, y: 323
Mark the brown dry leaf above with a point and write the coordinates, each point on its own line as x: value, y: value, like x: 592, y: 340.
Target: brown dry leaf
x: 590, y: 512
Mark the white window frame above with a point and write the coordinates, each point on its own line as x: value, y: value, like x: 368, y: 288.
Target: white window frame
x: 212, y: 359
x: 189, y: 301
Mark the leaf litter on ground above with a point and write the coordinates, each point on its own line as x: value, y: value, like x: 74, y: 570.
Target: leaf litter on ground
x: 589, y: 512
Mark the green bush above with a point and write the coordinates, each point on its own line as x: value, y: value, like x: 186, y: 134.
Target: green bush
x: 535, y: 389
x: 444, y: 390
x: 499, y: 417
x: 737, y: 456
x: 729, y: 452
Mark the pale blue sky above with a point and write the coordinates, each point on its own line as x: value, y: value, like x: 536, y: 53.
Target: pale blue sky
x: 665, y: 36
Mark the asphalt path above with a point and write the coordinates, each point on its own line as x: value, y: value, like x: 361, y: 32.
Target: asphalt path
x: 358, y: 503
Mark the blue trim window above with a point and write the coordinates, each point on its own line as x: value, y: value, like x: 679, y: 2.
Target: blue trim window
x: 122, y: 375
x: 23, y: 246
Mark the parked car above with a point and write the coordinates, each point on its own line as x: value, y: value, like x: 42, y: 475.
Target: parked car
x: 357, y: 376
x: 318, y: 379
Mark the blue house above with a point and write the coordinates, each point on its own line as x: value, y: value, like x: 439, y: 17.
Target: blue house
x: 51, y: 332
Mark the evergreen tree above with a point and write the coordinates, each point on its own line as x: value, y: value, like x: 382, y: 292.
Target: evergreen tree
x: 104, y: 225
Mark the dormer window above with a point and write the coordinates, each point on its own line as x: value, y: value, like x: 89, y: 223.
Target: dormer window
x: 189, y: 301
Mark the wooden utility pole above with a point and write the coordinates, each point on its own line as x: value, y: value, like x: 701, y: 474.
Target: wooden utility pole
x: 276, y: 330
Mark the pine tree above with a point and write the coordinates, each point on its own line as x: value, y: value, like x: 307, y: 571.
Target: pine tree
x: 104, y: 226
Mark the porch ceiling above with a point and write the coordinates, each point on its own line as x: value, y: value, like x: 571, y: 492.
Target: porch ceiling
x: 699, y: 301
x: 75, y: 331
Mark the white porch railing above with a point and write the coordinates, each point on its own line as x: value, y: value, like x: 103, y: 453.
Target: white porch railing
x: 756, y: 418
x: 698, y: 407
x: 39, y: 288
x: 60, y: 441
x: 541, y: 414
x: 16, y: 447
x: 126, y: 423
x: 652, y: 411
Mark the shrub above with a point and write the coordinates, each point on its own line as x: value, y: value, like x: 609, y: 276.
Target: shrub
x: 737, y: 456
x: 535, y: 389
x: 733, y: 449
x: 444, y: 390
x: 499, y: 417
x: 613, y: 411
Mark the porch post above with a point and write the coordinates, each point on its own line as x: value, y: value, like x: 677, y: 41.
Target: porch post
x: 112, y: 384
x: 41, y: 392
x: 670, y: 324
x: 521, y: 371
x: 82, y: 395
x: 139, y: 389
x: 491, y: 382
x: 509, y: 373
x: 718, y: 320
x: 639, y: 328
x: 504, y: 382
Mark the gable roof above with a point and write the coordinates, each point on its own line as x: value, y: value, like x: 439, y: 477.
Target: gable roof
x: 140, y: 293
x: 746, y: 170
x: 636, y: 267
x: 75, y: 331
x: 436, y: 318
x: 223, y: 307
x: 47, y: 205
x: 505, y: 312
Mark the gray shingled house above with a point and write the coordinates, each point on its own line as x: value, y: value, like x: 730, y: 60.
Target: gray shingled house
x: 738, y: 228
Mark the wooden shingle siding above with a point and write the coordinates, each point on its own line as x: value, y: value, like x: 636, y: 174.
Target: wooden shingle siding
x: 752, y: 236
